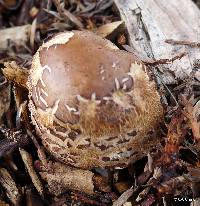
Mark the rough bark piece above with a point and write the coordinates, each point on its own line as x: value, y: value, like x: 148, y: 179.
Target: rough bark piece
x: 150, y: 22
x: 61, y: 178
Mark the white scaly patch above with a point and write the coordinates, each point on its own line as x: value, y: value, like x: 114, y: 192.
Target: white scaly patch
x: 36, y: 95
x: 48, y: 116
x: 81, y: 99
x: 42, y: 71
x: 43, y: 101
x: 42, y: 90
x: 125, y: 79
x: 141, y: 85
x: 107, y: 98
x: 84, y: 100
x: 122, y: 99
x: 137, y: 72
x: 70, y: 109
x: 93, y: 98
x: 117, y: 84
x: 55, y: 107
x: 124, y: 86
x: 58, y: 39
x: 37, y: 71
x: 102, y: 71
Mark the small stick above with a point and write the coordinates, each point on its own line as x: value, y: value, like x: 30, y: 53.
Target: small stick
x: 183, y: 42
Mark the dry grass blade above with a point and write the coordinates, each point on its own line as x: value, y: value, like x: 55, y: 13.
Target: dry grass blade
x: 53, y: 13
x: 72, y: 18
x: 67, y: 15
x: 32, y: 34
x: 102, y: 6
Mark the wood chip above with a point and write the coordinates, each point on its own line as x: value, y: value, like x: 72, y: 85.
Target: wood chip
x: 124, y: 197
x: 28, y: 162
x: 10, y: 186
x: 61, y: 178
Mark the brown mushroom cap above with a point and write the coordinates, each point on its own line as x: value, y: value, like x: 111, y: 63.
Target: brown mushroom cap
x: 93, y: 104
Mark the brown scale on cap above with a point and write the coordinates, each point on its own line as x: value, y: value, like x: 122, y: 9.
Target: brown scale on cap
x: 93, y: 104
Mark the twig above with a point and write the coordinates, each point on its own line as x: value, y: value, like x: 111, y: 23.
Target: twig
x: 183, y: 42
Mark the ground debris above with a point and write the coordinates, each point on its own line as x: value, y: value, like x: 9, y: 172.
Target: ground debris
x: 124, y: 197
x: 61, y: 178
x: 10, y: 187
x: 172, y: 168
x: 28, y: 162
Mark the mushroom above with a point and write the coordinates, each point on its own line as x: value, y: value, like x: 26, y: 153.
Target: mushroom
x: 92, y: 104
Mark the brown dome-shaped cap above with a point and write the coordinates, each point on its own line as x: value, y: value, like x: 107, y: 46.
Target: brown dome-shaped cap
x: 90, y: 100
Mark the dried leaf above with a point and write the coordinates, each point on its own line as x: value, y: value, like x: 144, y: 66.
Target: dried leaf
x: 19, y: 35
x: 110, y: 30
x: 173, y: 186
x: 175, y: 136
x: 192, y: 112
